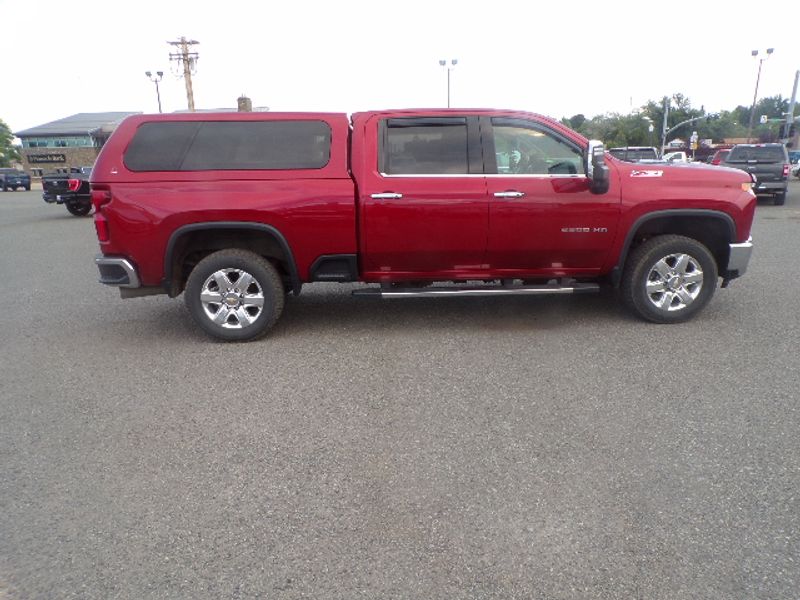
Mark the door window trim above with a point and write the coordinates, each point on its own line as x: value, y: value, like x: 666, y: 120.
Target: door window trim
x: 487, y: 124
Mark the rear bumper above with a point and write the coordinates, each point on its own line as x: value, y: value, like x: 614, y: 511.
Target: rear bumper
x: 17, y: 183
x: 739, y: 259
x: 117, y: 271
x: 770, y: 187
x: 64, y: 197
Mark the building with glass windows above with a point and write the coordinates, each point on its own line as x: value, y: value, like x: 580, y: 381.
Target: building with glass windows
x: 70, y: 142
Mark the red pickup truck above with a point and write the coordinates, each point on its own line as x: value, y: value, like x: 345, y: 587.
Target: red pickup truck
x: 240, y: 209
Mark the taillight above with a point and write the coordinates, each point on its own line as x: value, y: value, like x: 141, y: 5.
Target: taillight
x: 786, y: 170
x: 74, y: 184
x: 101, y: 196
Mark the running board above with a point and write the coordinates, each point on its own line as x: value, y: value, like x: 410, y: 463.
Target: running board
x: 437, y: 292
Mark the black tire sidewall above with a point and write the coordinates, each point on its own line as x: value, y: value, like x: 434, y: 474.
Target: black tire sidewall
x: 78, y: 209
x: 638, y: 269
x: 257, y: 266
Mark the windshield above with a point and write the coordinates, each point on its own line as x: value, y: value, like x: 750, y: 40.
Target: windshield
x: 762, y: 154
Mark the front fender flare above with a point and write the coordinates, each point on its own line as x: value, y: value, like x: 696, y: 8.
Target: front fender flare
x: 616, y: 272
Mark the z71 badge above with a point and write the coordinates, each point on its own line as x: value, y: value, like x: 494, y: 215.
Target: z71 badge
x: 648, y: 173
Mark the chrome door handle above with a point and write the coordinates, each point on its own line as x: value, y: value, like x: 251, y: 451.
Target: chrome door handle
x: 509, y: 194
x: 386, y: 196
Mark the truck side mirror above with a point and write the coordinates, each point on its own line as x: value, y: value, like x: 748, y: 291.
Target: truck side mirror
x: 596, y: 167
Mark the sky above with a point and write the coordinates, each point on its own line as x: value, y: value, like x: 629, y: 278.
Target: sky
x: 554, y: 58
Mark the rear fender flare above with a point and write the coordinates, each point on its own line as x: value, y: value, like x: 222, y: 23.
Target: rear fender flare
x: 261, y: 227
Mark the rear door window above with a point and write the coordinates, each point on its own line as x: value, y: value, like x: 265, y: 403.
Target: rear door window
x: 425, y: 146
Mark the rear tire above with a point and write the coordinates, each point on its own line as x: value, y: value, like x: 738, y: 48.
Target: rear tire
x: 669, y: 278
x: 780, y: 199
x: 235, y: 295
x: 79, y: 209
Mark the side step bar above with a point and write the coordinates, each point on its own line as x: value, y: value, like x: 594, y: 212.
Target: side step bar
x: 440, y: 292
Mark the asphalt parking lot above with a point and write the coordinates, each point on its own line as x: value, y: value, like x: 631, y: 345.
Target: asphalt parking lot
x: 459, y: 448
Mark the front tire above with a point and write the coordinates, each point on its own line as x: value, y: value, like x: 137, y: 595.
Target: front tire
x: 669, y: 279
x: 79, y: 209
x: 235, y: 295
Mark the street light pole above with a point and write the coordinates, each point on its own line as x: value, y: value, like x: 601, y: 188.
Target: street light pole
x: 755, y: 94
x: 156, y: 79
x: 450, y: 67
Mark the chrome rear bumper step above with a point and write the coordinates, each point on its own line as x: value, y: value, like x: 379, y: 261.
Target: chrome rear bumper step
x: 440, y: 292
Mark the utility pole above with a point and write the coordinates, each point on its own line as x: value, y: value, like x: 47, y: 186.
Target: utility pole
x: 188, y: 60
x: 790, y: 114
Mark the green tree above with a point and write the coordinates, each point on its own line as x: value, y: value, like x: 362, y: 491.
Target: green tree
x: 8, y: 152
x: 575, y: 121
x: 773, y: 107
x: 632, y: 130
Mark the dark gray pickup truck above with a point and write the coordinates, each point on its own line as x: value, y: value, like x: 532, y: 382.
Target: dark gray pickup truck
x: 13, y: 179
x: 769, y: 163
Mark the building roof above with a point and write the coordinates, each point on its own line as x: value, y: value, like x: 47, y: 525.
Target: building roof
x: 80, y: 124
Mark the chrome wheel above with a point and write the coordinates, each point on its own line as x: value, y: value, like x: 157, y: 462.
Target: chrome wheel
x: 232, y: 298
x: 674, y: 282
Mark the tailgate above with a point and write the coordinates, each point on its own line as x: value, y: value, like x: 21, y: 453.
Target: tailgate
x: 55, y: 185
x: 763, y: 171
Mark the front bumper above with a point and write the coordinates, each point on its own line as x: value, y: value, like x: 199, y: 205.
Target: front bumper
x: 117, y: 271
x: 739, y: 259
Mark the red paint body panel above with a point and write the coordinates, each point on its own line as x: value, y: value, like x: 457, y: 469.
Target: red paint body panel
x: 443, y: 227
x: 314, y: 209
x: 526, y: 234
x: 316, y: 217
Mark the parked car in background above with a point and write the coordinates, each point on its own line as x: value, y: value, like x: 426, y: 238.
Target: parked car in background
x: 769, y: 163
x: 70, y: 188
x: 13, y: 179
x: 719, y: 156
x: 676, y: 157
x: 794, y: 156
x: 634, y: 153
